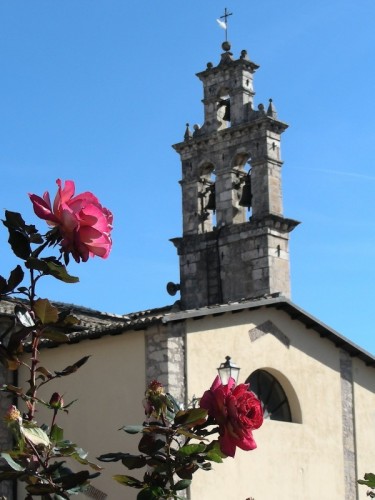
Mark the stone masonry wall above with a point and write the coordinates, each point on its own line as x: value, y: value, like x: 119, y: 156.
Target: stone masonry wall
x: 6, y: 377
x: 165, y: 358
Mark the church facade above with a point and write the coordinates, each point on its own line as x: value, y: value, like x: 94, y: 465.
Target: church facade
x: 317, y: 388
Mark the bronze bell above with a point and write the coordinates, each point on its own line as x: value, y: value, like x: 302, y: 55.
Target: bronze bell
x: 226, y: 116
x: 211, y: 202
x: 226, y: 104
x: 246, y: 197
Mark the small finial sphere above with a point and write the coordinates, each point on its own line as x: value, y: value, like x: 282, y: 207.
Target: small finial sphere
x: 225, y: 46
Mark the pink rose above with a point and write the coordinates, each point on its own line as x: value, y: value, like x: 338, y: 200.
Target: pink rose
x: 237, y: 411
x: 85, y: 226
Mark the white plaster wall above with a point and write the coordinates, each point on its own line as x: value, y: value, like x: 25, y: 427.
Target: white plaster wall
x: 293, y: 461
x: 109, y: 389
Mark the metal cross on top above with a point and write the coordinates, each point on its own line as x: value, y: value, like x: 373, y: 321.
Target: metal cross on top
x: 225, y: 22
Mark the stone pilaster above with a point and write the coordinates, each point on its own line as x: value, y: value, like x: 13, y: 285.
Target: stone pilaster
x: 165, y: 358
x: 348, y: 427
x: 165, y: 362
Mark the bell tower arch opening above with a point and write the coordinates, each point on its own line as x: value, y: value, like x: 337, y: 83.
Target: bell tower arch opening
x: 242, y: 199
x: 223, y: 109
x: 207, y: 196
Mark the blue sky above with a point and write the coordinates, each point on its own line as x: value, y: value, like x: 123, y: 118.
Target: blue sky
x: 98, y: 90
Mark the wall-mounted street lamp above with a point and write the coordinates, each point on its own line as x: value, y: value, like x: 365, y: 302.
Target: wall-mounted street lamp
x: 227, y: 370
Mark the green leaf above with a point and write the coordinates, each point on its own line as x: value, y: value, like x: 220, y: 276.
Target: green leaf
x: 182, y: 485
x: 57, y: 434
x: 55, y: 335
x: 59, y: 272
x: 73, y: 368
x: 214, y: 457
x: 9, y: 460
x: 190, y: 417
x: 189, y: 434
x: 16, y: 338
x: 15, y: 278
x: 133, y: 461
x: 18, y: 234
x: 35, y: 435
x: 187, y: 472
x: 46, y: 373
x: 151, y: 493
x: 128, y: 481
x: 3, y: 285
x: 14, y: 220
x: 46, y: 312
x: 69, y: 404
x: 130, y: 461
x: 71, y: 481
x: 204, y: 465
x: 40, y: 489
x: 149, y: 444
x: 369, y: 480
x: 24, y: 317
x: 20, y: 244
x: 67, y: 319
x: 37, y: 265
x: 191, y: 449
x: 51, y: 267
x: 132, y: 429
x: 80, y: 455
x: 215, y: 447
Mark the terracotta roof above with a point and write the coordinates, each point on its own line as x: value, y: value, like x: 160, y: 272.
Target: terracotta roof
x: 96, y: 324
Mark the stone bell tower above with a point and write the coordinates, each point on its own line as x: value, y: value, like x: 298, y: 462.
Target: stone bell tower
x: 235, y: 237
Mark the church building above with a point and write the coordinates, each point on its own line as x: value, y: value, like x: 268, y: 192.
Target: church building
x: 317, y: 388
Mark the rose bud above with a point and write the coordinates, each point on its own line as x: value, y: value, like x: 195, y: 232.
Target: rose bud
x: 56, y: 402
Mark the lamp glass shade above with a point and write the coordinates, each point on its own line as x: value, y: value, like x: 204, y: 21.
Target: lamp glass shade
x: 228, y: 370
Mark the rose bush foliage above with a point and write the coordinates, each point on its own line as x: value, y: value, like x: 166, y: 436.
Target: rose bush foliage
x: 84, y: 224
x: 237, y: 411
x: 175, y: 442
x: 40, y: 453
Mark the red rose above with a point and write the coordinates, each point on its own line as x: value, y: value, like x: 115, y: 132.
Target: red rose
x: 85, y: 226
x: 237, y: 411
